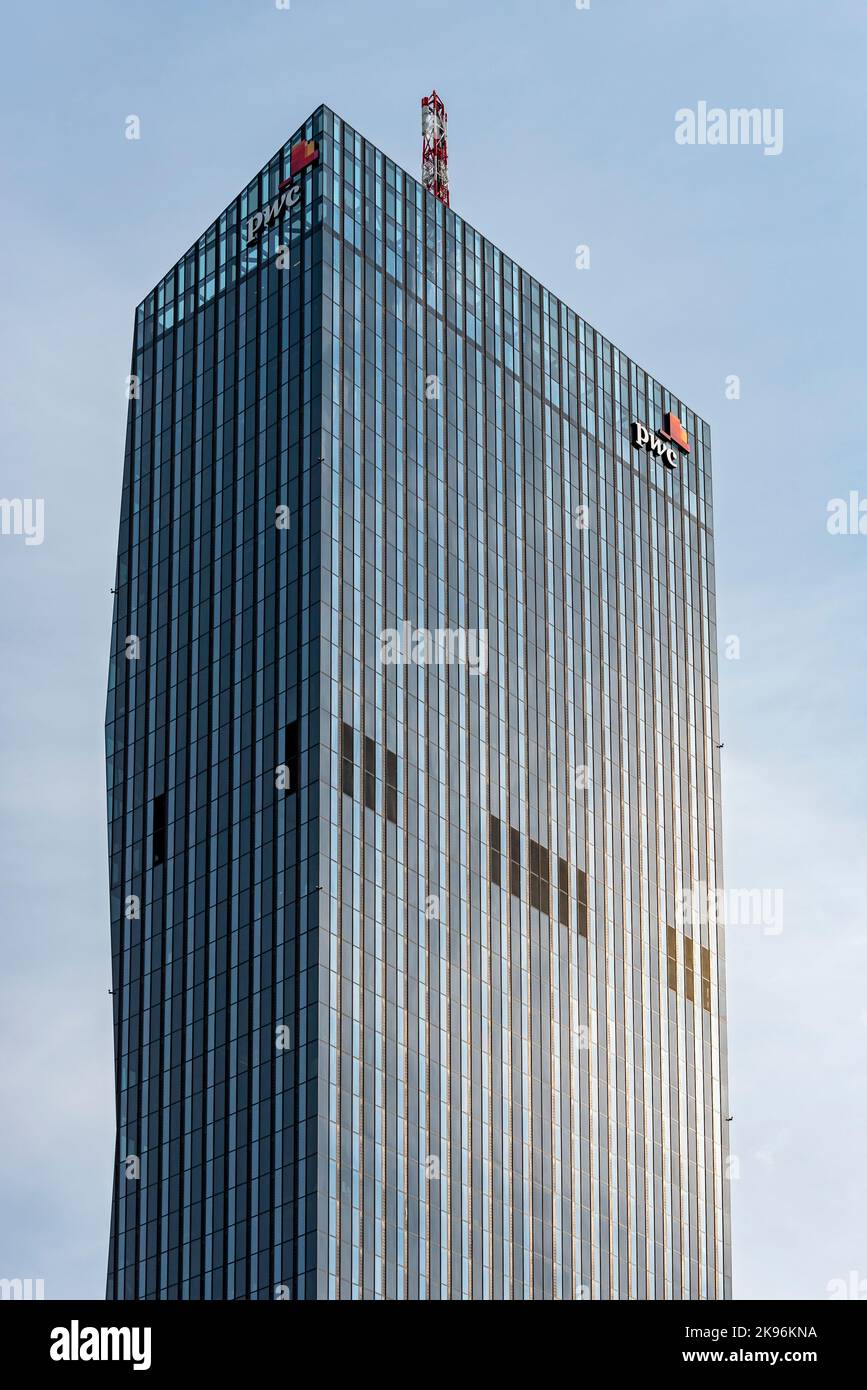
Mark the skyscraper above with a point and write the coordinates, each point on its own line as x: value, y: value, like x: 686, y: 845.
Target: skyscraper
x: 412, y: 766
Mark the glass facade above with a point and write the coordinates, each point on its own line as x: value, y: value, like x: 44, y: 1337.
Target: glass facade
x: 405, y: 1005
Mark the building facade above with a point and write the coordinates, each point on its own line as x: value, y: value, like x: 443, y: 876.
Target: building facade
x: 412, y: 775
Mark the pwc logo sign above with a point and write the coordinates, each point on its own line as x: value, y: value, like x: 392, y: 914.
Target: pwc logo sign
x: 663, y: 444
x: 301, y: 157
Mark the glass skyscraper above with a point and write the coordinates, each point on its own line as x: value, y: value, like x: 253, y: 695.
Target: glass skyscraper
x: 412, y: 763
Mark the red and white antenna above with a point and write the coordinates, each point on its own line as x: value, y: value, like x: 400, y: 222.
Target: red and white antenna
x: 434, y: 147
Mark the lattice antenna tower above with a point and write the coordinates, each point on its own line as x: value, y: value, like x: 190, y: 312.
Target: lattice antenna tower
x: 434, y: 147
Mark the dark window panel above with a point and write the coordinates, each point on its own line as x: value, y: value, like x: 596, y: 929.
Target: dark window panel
x: 391, y: 785
x: 671, y: 949
x: 290, y: 757
x: 159, y: 830
x: 563, y: 891
x: 370, y: 774
x: 514, y: 862
x: 535, y: 894
x: 494, y: 835
x: 347, y: 770
x: 705, y: 977
x: 582, y: 901
x: 544, y: 880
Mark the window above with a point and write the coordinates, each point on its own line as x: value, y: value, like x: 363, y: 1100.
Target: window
x: 705, y: 977
x: 671, y: 948
x: 514, y: 862
x: 495, y: 872
x: 391, y: 785
x: 534, y: 874
x: 544, y: 880
x: 291, y: 757
x: 582, y: 902
x: 539, y: 877
x: 159, y: 829
x: 370, y: 774
x: 688, y: 971
x: 563, y: 891
x: 346, y: 761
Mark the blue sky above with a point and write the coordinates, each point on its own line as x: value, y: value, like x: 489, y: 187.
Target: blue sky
x: 705, y: 262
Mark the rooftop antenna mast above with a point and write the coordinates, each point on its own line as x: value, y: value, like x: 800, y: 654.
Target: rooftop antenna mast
x: 434, y: 147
